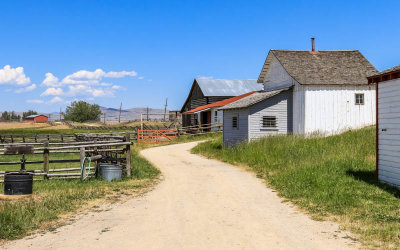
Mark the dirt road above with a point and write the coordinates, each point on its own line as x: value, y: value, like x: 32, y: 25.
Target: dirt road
x: 200, y: 204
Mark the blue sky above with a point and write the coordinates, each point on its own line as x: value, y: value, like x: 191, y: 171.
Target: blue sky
x: 149, y: 50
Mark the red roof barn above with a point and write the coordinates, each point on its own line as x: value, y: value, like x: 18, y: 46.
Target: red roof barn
x: 37, y: 118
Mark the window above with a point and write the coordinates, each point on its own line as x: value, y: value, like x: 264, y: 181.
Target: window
x: 359, y: 99
x: 216, y: 116
x: 269, y: 121
x: 234, y: 122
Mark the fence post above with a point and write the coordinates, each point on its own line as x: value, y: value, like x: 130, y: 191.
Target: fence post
x: 82, y: 157
x: 219, y: 125
x: 128, y: 155
x: 46, y: 160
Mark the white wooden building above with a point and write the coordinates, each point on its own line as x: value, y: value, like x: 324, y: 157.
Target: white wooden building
x: 329, y: 93
x: 388, y: 125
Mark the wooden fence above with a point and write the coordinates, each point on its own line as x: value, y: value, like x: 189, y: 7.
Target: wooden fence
x: 110, y: 149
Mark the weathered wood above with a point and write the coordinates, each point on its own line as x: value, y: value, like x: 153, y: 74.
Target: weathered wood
x: 46, y: 158
x: 82, y: 158
x: 18, y: 149
x: 128, y: 155
x: 89, y: 145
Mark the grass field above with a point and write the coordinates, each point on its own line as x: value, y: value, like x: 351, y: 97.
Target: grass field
x: 55, y: 199
x: 331, y: 178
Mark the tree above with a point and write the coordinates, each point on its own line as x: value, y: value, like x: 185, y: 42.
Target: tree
x: 81, y: 111
x: 28, y: 113
x: 10, y: 116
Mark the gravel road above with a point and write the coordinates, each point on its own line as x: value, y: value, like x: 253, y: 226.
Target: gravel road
x: 199, y: 204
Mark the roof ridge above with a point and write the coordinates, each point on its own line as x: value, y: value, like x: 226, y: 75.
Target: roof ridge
x: 316, y: 50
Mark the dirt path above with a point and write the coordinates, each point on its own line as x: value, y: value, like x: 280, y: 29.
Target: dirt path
x: 200, y: 204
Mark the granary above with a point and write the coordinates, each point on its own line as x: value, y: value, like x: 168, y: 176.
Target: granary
x: 388, y: 125
x: 213, y: 109
x: 305, y: 92
x: 207, y: 90
x: 37, y: 118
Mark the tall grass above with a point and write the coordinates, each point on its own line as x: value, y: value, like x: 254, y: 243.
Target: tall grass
x: 332, y: 177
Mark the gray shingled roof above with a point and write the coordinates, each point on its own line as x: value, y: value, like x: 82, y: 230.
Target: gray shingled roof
x: 324, y: 67
x: 395, y: 68
x: 252, y: 99
x: 222, y: 87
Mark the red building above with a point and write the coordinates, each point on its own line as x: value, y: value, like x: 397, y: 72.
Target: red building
x: 37, y: 118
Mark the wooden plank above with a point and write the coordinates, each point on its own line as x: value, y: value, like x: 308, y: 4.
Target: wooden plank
x: 46, y: 158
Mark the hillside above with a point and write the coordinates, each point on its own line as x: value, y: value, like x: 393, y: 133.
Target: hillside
x: 331, y: 178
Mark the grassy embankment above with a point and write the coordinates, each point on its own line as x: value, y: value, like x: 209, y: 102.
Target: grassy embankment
x: 57, y: 199
x: 331, y: 178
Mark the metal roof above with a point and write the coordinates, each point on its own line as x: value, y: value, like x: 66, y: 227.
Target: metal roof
x: 33, y: 116
x: 223, y: 87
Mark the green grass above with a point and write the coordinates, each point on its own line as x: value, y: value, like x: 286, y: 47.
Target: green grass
x: 331, y: 178
x: 55, y: 198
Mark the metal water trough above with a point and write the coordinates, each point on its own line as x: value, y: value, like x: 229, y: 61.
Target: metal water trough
x: 18, y: 183
x: 110, y: 171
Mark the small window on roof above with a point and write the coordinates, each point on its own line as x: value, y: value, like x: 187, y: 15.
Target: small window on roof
x: 359, y: 99
x: 235, y: 122
x: 269, y: 121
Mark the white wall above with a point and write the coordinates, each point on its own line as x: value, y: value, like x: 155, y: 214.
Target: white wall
x: 389, y: 132
x: 232, y: 136
x: 215, y: 119
x: 277, y: 77
x: 332, y: 109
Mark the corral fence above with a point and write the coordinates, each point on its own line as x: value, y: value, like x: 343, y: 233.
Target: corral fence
x: 157, y: 136
x: 70, y: 155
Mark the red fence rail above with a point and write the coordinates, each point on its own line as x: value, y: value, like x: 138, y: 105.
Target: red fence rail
x: 157, y: 136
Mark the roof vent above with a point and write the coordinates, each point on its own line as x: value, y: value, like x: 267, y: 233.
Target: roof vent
x: 313, y: 52
x: 313, y: 44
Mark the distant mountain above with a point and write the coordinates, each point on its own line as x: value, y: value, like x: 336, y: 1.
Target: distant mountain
x: 112, y: 114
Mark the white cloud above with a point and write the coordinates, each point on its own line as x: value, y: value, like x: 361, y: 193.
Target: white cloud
x: 51, y: 81
x: 55, y: 99
x: 13, y: 76
x: 120, y: 74
x: 84, y: 90
x: 94, y: 77
x: 118, y: 87
x: 53, y: 91
x: 26, y: 89
x: 141, y: 77
x: 35, y: 101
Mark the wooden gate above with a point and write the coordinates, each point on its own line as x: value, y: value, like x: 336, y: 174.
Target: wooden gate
x: 156, y: 136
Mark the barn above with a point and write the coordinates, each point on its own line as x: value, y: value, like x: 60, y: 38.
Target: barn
x: 388, y: 125
x: 208, y: 90
x: 305, y: 92
x: 213, y: 108
x: 37, y: 118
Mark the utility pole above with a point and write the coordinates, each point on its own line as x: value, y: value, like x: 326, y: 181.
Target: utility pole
x: 147, y: 111
x: 165, y: 108
x: 120, y: 110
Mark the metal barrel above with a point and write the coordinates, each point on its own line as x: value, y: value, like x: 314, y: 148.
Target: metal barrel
x: 18, y: 183
x: 111, y: 172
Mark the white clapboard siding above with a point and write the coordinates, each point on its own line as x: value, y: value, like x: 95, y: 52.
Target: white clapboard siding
x: 332, y: 109
x: 389, y: 132
x: 232, y: 136
x: 277, y: 77
x: 279, y: 106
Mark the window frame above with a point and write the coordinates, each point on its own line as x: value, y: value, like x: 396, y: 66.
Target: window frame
x: 237, y: 122
x: 272, y: 124
x: 356, y: 101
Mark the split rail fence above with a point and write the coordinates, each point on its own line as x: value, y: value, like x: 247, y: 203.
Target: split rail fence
x: 70, y: 154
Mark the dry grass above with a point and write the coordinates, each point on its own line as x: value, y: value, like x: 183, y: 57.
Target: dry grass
x: 17, y: 125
